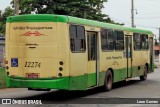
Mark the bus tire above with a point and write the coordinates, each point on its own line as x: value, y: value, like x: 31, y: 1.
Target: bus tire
x: 144, y: 76
x: 108, y: 81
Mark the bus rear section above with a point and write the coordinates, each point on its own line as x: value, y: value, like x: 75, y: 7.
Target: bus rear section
x: 32, y: 55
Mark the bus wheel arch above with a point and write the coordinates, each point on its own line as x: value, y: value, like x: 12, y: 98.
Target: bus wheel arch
x: 111, y: 72
x: 147, y: 65
x: 108, y: 82
x: 144, y: 76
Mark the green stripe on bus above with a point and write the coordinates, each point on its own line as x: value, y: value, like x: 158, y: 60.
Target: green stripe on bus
x: 61, y: 83
x: 73, y: 20
x: 106, y: 25
x: 72, y: 83
x: 37, y: 18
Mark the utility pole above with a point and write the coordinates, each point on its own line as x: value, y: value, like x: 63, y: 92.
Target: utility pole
x: 132, y: 13
x: 159, y: 44
x: 85, y: 14
x: 16, y: 7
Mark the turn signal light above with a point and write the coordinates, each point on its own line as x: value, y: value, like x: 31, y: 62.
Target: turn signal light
x: 7, y: 67
x: 6, y: 62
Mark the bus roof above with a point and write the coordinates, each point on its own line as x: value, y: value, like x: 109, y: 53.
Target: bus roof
x: 69, y: 19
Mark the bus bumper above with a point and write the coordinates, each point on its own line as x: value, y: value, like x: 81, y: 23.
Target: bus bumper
x: 59, y: 83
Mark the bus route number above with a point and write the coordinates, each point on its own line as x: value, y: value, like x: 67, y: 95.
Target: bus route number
x: 33, y: 64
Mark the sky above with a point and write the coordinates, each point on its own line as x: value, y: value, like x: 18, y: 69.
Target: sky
x: 147, y: 17
x: 4, y: 4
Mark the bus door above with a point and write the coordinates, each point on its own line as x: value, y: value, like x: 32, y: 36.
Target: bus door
x: 92, y: 40
x: 128, y: 43
x: 151, y: 53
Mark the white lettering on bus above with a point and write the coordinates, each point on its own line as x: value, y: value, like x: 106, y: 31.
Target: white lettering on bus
x: 32, y: 28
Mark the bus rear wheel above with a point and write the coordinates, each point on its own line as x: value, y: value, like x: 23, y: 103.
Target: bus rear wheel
x: 144, y: 76
x: 108, y: 81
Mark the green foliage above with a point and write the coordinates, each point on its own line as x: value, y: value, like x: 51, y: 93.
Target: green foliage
x: 89, y: 9
x: 3, y: 16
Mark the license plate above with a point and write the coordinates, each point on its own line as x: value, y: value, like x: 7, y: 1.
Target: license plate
x: 32, y: 75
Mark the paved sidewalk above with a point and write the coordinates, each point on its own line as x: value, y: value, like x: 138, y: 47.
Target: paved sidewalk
x: 7, y: 90
x: 157, y: 63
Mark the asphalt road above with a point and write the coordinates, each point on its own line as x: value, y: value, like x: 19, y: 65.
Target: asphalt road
x: 131, y: 89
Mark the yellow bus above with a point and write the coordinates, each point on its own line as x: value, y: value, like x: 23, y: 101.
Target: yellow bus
x: 47, y: 51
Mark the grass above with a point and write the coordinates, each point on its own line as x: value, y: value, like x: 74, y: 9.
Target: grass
x: 2, y: 78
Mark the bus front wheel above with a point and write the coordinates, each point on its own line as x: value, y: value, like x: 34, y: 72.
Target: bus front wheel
x: 108, y: 81
x: 144, y: 76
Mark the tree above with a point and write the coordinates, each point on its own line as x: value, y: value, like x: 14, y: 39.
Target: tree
x: 3, y: 16
x: 89, y: 9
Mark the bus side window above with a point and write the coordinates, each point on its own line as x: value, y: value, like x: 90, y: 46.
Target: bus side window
x: 119, y: 40
x: 107, y: 40
x: 144, y: 38
x: 77, y: 38
x: 81, y: 36
x: 137, y: 41
x: 72, y: 36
